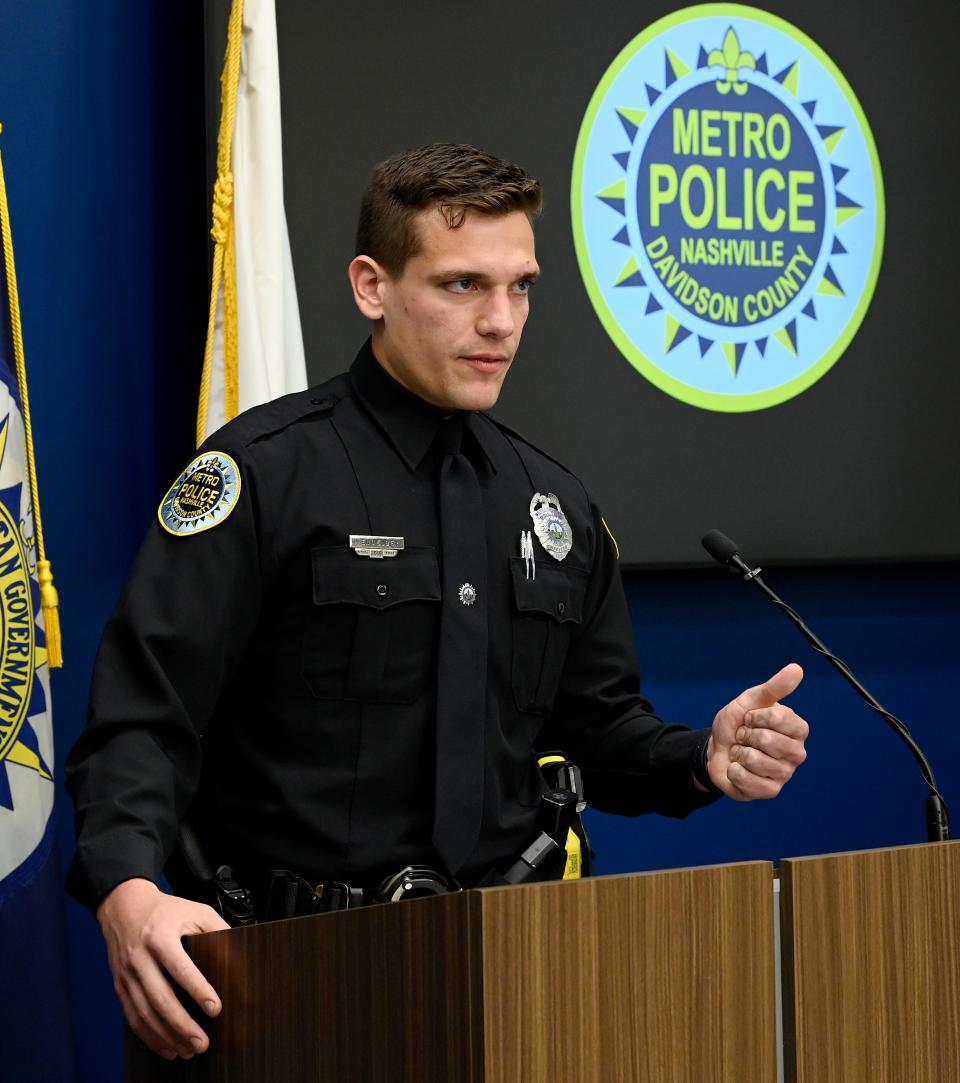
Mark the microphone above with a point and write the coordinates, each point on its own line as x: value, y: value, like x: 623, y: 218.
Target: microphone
x: 725, y: 551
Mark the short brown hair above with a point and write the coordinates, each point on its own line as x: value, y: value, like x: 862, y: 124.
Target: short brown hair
x: 454, y: 177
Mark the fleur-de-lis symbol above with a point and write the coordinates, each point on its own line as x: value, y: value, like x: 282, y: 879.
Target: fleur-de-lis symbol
x: 733, y: 60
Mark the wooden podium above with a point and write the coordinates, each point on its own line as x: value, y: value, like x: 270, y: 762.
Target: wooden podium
x: 871, y: 966
x: 657, y: 976
x: 666, y: 977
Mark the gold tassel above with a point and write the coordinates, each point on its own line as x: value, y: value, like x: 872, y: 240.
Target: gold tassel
x: 49, y: 600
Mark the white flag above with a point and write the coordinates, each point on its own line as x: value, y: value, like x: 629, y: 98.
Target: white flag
x: 252, y: 232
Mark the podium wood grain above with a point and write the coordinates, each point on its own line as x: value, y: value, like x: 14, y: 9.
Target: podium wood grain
x: 661, y: 977
x: 871, y: 966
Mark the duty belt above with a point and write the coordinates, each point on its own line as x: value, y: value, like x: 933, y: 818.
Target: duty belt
x: 559, y: 850
x: 287, y: 895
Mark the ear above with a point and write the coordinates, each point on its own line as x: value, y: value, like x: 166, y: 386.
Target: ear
x: 367, y: 279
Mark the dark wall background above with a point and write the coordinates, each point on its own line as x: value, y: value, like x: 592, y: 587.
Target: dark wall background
x: 861, y: 466
x: 102, y: 145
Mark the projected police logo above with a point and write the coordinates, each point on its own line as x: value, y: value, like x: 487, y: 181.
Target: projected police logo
x: 727, y: 207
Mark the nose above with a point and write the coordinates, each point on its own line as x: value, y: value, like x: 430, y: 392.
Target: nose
x: 496, y: 318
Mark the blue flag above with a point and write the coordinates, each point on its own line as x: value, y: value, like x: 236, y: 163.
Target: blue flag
x: 37, y: 1039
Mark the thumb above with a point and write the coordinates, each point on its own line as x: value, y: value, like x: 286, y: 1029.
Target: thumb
x: 199, y: 918
x: 211, y: 922
x: 778, y: 687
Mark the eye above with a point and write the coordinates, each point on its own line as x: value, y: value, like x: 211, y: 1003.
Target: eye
x: 461, y: 285
x: 525, y: 285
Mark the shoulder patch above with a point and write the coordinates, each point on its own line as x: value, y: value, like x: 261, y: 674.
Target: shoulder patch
x: 202, y: 497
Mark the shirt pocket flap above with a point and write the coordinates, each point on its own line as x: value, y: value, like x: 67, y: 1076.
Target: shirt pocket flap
x: 342, y: 577
x: 555, y: 591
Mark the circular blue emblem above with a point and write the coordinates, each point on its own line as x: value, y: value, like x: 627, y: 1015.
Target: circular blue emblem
x: 202, y: 497
x: 727, y: 207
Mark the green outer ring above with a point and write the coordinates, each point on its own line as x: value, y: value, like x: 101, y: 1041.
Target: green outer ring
x: 711, y: 400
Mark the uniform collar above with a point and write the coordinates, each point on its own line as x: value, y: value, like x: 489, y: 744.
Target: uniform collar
x: 408, y: 422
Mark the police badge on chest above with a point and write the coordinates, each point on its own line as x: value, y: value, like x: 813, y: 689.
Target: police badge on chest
x: 550, y: 525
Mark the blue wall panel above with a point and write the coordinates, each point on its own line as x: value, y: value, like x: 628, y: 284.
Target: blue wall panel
x: 102, y: 108
x: 702, y: 637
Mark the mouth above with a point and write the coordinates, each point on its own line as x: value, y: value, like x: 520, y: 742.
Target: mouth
x: 486, y: 362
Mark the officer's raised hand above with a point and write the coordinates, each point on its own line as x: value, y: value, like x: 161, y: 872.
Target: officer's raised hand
x: 143, y: 927
x: 757, y: 743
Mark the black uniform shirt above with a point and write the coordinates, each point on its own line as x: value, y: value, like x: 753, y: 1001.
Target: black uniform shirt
x: 282, y: 688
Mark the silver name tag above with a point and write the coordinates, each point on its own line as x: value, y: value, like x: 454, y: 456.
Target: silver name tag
x: 367, y: 545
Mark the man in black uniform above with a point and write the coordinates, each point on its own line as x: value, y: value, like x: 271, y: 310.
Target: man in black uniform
x: 322, y: 706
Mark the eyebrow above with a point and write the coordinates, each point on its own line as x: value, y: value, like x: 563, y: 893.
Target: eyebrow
x: 454, y: 274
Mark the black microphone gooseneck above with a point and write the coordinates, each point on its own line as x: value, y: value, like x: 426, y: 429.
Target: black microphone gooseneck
x: 723, y: 550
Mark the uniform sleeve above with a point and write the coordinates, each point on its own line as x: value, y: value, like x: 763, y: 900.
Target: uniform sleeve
x: 177, y: 634
x: 632, y: 762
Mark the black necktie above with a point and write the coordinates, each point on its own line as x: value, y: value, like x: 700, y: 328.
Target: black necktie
x: 462, y: 664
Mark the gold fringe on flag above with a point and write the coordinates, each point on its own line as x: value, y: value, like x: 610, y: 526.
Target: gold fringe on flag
x: 224, y: 256
x: 48, y: 592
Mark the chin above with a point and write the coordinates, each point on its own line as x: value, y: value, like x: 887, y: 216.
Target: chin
x: 479, y: 399
x: 478, y: 394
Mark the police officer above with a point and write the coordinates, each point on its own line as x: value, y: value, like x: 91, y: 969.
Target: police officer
x: 364, y: 608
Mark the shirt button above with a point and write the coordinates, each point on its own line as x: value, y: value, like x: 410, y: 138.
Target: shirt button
x: 561, y: 609
x: 383, y: 590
